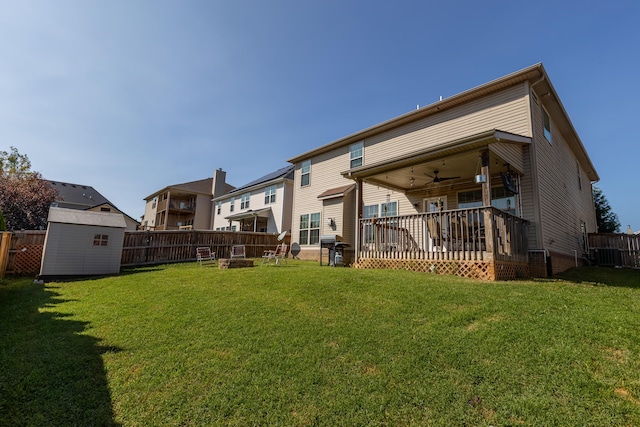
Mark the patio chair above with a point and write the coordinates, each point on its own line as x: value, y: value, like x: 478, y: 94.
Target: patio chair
x: 434, y: 231
x: 278, y: 254
x: 204, y: 254
x: 238, y: 251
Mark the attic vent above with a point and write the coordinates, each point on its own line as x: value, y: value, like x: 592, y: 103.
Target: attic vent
x: 535, y: 98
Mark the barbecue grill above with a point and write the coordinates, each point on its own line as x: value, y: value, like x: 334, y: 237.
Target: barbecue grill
x: 335, y: 247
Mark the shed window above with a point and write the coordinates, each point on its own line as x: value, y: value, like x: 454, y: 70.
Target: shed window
x: 100, y: 240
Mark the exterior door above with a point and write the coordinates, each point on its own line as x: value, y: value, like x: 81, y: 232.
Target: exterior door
x: 434, y: 242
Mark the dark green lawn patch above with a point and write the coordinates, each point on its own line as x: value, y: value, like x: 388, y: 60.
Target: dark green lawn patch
x: 307, y: 345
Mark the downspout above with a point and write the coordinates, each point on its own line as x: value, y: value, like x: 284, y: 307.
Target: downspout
x: 534, y: 165
x: 358, y: 216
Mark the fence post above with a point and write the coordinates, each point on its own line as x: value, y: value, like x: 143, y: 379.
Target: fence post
x: 5, y: 242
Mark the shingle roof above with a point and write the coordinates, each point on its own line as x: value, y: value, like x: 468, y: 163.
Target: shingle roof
x: 285, y: 172
x: 199, y: 186
x: 77, y: 196
x: 336, y: 192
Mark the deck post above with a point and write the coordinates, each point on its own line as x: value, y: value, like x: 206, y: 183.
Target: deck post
x: 486, y: 203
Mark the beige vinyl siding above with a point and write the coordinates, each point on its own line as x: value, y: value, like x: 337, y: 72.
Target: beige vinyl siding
x: 325, y: 174
x: 510, y: 153
x: 527, y: 199
x: 505, y: 110
x: 202, y: 217
x: 562, y: 203
x: 332, y: 208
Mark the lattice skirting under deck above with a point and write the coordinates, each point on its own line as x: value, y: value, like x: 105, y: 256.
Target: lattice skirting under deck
x: 482, y: 270
x: 27, y: 259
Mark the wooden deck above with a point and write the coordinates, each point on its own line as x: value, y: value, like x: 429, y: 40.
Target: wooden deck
x: 484, y: 243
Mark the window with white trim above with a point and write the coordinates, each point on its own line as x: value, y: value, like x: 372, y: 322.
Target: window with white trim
x: 355, y: 154
x: 500, y: 198
x: 579, y: 175
x: 270, y: 194
x: 310, y: 229
x: 244, y: 201
x: 232, y: 204
x: 305, y: 171
x: 369, y: 211
x: 218, y: 207
x: 547, y: 125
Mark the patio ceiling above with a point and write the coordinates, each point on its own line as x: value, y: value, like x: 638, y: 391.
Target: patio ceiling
x: 458, y: 158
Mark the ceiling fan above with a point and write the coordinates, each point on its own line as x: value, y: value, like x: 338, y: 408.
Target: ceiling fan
x: 438, y: 179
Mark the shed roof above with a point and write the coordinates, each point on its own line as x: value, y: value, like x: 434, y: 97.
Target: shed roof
x: 74, y: 216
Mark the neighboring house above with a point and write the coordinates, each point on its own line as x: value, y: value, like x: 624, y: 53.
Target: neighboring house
x: 85, y: 197
x: 492, y: 183
x: 262, y: 205
x: 184, y: 206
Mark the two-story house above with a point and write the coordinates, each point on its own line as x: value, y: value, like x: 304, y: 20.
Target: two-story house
x: 493, y: 182
x: 186, y: 205
x: 262, y: 205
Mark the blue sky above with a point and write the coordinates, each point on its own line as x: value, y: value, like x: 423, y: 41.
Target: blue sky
x: 131, y: 96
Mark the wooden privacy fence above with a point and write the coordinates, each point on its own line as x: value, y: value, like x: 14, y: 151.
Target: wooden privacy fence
x: 21, y: 252
x: 621, y: 250
x: 157, y: 247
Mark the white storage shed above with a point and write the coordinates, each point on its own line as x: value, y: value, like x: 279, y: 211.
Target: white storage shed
x: 82, y: 243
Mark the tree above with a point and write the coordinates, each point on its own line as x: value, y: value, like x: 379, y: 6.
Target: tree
x: 607, y: 220
x: 14, y: 163
x: 25, y: 197
x: 3, y: 225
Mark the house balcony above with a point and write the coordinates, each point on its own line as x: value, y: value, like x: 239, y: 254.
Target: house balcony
x: 478, y: 242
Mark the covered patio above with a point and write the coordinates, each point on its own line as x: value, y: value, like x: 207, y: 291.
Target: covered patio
x: 251, y: 220
x: 461, y: 209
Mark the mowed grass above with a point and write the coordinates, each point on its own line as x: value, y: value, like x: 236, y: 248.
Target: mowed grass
x: 307, y: 345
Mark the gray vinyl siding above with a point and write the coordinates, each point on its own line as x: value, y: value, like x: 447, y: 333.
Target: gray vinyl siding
x: 562, y: 203
x: 69, y: 250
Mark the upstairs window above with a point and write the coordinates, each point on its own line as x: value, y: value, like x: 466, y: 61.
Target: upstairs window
x: 232, y: 204
x: 355, y: 154
x: 244, y: 201
x: 218, y: 207
x: 270, y: 194
x: 579, y: 175
x: 547, y: 125
x: 305, y: 178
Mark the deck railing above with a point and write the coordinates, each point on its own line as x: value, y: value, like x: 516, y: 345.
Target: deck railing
x: 461, y: 234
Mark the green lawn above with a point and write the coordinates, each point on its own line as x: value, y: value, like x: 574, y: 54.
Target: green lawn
x: 307, y: 345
